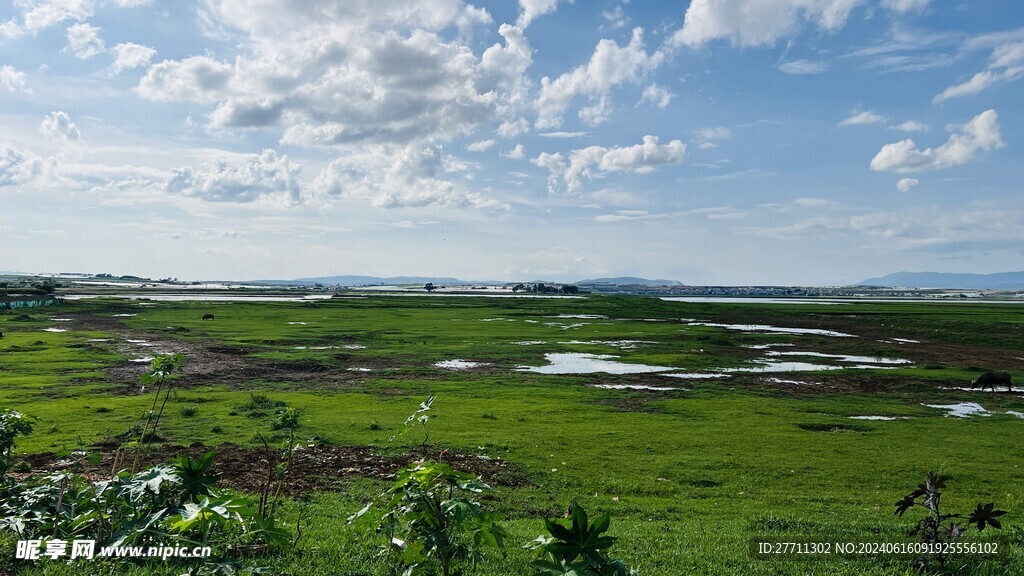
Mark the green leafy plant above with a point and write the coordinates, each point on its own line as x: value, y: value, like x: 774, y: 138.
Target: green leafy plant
x: 196, y: 479
x: 431, y: 520
x: 159, y: 375
x: 420, y: 417
x: 937, y: 527
x: 12, y: 425
x: 577, y: 549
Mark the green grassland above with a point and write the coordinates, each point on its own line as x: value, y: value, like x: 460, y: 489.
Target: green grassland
x: 690, y: 476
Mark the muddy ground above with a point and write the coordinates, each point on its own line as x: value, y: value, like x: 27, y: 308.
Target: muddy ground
x: 319, y: 467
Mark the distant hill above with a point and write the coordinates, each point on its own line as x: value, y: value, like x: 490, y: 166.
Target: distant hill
x: 629, y: 280
x: 998, y: 281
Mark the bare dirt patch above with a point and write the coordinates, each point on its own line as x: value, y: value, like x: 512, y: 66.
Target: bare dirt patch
x: 321, y: 467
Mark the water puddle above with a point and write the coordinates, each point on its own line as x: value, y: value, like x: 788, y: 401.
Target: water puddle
x: 694, y: 375
x: 60, y: 319
x: 906, y: 341
x: 98, y: 340
x: 458, y: 364
x: 315, y: 347
x: 582, y: 316
x: 1015, y: 413
x: 623, y: 344
x: 767, y: 346
x: 124, y: 315
x: 54, y: 330
x: 880, y: 418
x: 844, y: 357
x: 797, y: 382
x: 573, y: 363
x: 354, y: 347
x: 773, y: 329
x: 497, y: 319
x: 961, y: 409
x: 529, y: 342
x: 768, y: 366
x: 356, y: 369
x: 142, y: 359
x: 299, y: 323
x: 636, y: 387
x: 136, y: 341
x: 989, y: 390
x: 566, y: 326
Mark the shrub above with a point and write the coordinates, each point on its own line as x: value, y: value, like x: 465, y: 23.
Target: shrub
x: 189, y: 411
x: 431, y: 522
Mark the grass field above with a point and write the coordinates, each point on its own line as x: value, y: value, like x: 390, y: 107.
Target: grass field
x: 691, y: 475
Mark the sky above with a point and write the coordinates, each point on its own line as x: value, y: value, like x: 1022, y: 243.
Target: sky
x: 795, y: 142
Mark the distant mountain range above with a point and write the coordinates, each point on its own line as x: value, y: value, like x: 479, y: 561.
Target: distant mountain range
x: 998, y: 281
x: 352, y: 280
x: 629, y: 280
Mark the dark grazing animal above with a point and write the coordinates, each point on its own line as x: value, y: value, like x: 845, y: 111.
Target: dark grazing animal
x: 1, y: 334
x: 207, y: 316
x: 992, y: 379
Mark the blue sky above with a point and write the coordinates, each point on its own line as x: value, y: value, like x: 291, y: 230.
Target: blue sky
x: 712, y: 141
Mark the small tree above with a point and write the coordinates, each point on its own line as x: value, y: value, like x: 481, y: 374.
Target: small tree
x: 578, y: 549
x: 429, y: 287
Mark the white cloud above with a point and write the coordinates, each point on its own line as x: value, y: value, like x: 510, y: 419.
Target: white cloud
x: 910, y: 126
x: 38, y: 15
x: 656, y: 95
x: 803, y: 67
x: 513, y: 128
x: 13, y: 80
x: 863, y: 118
x: 981, y: 134
x: 906, y: 5
x: 531, y: 9
x: 758, y: 22
x: 266, y: 177
x: 517, y: 153
x: 611, y: 65
x: 84, y: 41
x: 714, y: 133
x: 562, y: 135
x: 907, y: 184
x: 129, y: 55
x: 198, y: 79
x: 1006, y: 64
x: 586, y: 162
x: 59, y: 127
x: 616, y: 17
x: 394, y: 176
x: 15, y: 168
x: 481, y: 145
x: 349, y: 73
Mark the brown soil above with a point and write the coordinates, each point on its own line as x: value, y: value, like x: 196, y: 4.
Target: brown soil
x: 314, y: 468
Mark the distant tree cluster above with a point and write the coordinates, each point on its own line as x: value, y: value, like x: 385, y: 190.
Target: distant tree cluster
x: 541, y: 288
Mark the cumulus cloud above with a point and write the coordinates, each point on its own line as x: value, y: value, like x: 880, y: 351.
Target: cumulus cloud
x: 84, y: 41
x: 803, y: 67
x: 58, y: 126
x: 758, y: 22
x: 198, y: 79
x: 1006, y: 64
x: 128, y: 56
x: 517, y: 153
x: 656, y: 95
x: 907, y: 184
x: 611, y: 65
x: 587, y: 162
x: 981, y: 134
x: 266, y: 177
x: 481, y: 145
x: 13, y: 80
x: 37, y: 15
x: 15, y: 168
x: 348, y: 73
x: 393, y: 176
x: 531, y: 9
x: 906, y: 5
x: 910, y: 126
x: 862, y: 118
